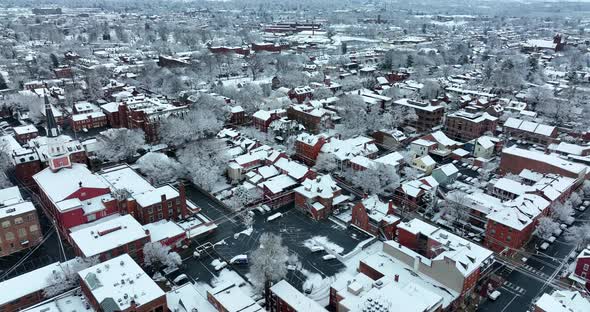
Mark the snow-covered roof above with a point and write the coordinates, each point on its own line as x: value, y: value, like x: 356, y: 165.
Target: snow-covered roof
x: 28, y: 283
x: 162, y: 230
x: 117, y: 282
x: 25, y: 129
x: 349, y: 148
x: 519, y: 212
x: 511, y: 186
x: 419, y: 105
x: 550, y: 159
x: 154, y: 195
x: 563, y: 301
x: 292, y: 168
x: 322, y: 186
x: 468, y: 256
x: 568, y: 148
x: 99, y: 237
x: 279, y: 183
x: 443, y: 139
x: 449, y: 169
x: 61, y: 184
x: 485, y: 142
x: 233, y: 299
x: 360, y: 293
x: 187, y: 298
x: 529, y: 126
x: 295, y: 299
x: 10, y: 195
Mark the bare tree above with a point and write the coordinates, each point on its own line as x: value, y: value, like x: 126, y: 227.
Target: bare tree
x: 455, y: 207
x: 268, y: 263
x: 579, y: 235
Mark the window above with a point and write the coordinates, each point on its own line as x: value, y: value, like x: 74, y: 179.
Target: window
x: 151, y: 219
x: 22, y: 233
x: 508, y: 238
x: 170, y: 203
x: 178, y: 201
x: 150, y: 210
x: 30, y: 217
x: 170, y: 212
x: 5, y: 224
x: 159, y: 207
x: 160, y: 216
x: 9, y: 236
x: 586, y: 267
x: 33, y: 228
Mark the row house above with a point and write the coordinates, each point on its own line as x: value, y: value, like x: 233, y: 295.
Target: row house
x: 262, y: 119
x: 19, y: 223
x: 319, y: 197
x: 414, y: 194
x: 375, y: 217
x: 444, y: 144
x: 515, y: 160
x: 529, y: 131
x: 466, y: 126
x: 390, y: 138
x: 256, y: 157
x: 562, y: 301
x: 581, y: 274
x: 228, y: 296
x: 567, y: 149
x: 391, y: 161
x: 509, y: 228
x: 430, y: 115
x: 243, y: 50
x: 278, y: 190
x: 308, y: 147
x: 343, y: 151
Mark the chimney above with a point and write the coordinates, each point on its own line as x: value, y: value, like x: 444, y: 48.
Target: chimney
x: 147, y: 232
x: 396, y: 278
x: 416, y: 263
x: 163, y: 198
x: 80, y: 184
x: 390, y: 209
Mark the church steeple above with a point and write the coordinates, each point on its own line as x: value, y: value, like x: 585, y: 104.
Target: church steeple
x: 52, y: 128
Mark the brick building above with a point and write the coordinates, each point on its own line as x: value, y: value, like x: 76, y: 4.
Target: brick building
x: 515, y: 159
x: 142, y: 112
x: 24, y: 134
x: 286, y: 298
x: 308, y: 147
x: 262, y: 119
x: 581, y: 273
x: 89, y: 120
x: 111, y: 238
x: 529, y: 131
x: 430, y: 115
x: 562, y: 301
x: 313, y: 118
x: 119, y: 284
x: 375, y: 217
x: 19, y: 223
x: 466, y: 126
x: 318, y: 197
x: 301, y: 94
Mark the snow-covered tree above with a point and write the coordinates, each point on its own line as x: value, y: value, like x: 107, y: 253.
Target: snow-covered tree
x: 119, y: 144
x: 579, y: 235
x: 34, y: 104
x: 375, y: 180
x: 241, y: 197
x: 195, y: 125
x: 5, y: 164
x: 322, y: 93
x: 268, y: 263
x: 326, y: 162
x: 430, y: 90
x: 562, y: 212
x: 155, y: 253
x: 575, y: 199
x: 159, y: 168
x: 205, y: 162
x: 586, y: 188
x: 546, y: 228
x: 60, y: 282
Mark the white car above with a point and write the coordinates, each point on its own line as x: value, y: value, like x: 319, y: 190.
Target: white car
x: 274, y: 217
x: 316, y: 248
x: 494, y: 295
x: 551, y: 239
x: 220, y: 266
x: 329, y: 257
x: 544, y: 246
x: 181, y: 279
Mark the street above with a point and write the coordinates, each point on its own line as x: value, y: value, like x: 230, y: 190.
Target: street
x: 519, y: 289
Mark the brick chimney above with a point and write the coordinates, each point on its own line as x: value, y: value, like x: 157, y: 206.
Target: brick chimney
x: 390, y: 209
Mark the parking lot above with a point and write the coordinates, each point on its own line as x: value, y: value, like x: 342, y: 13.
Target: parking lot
x: 293, y: 226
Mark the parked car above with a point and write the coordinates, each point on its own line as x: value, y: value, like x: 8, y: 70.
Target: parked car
x: 316, y: 248
x: 544, y: 246
x: 181, y: 279
x: 494, y: 295
x: 274, y: 216
x: 239, y: 259
x: 329, y: 257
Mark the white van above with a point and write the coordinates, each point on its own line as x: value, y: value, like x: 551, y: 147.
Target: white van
x: 274, y: 217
